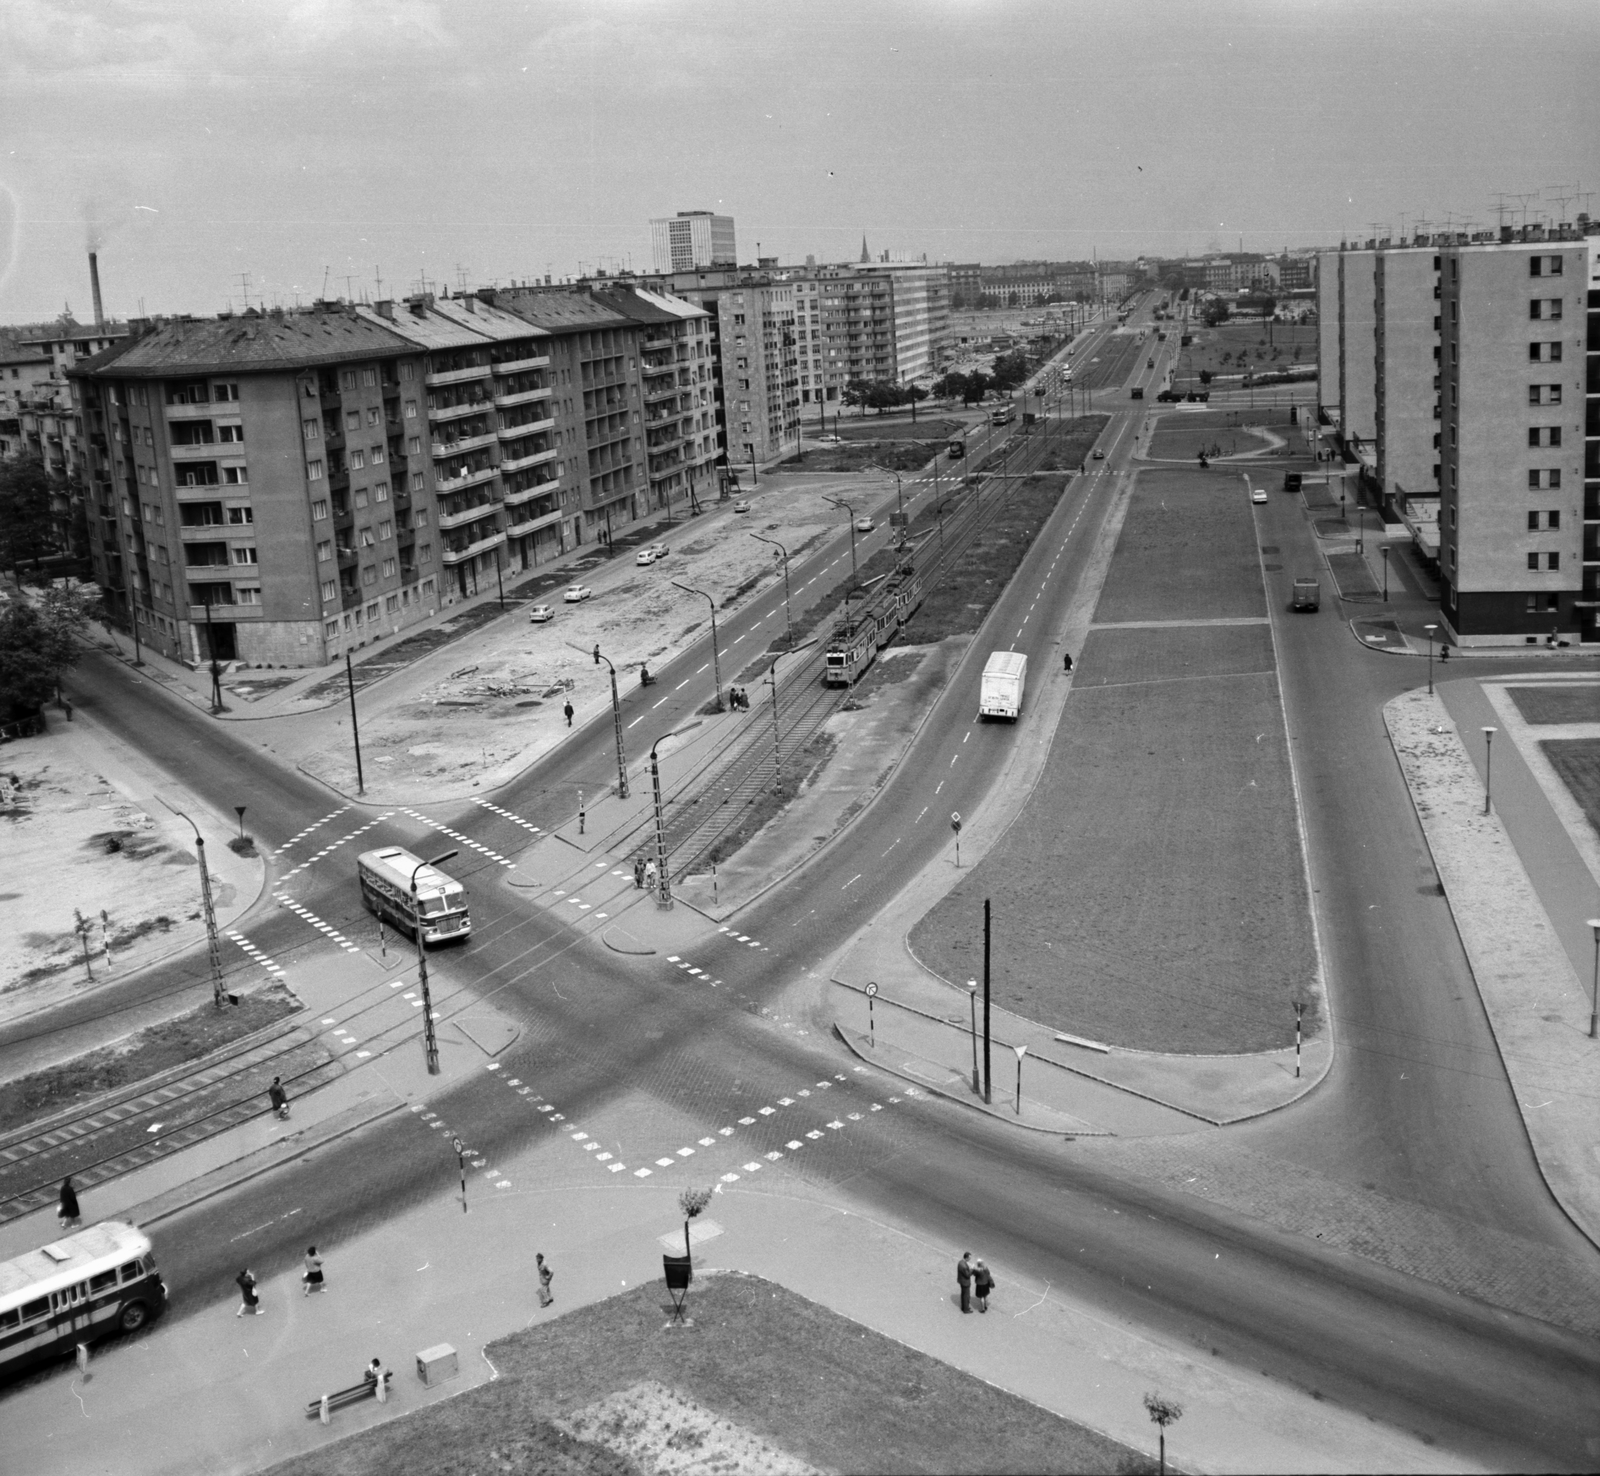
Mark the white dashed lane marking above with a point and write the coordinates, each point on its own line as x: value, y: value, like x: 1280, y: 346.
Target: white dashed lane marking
x: 283, y: 899
x: 271, y: 965
x: 334, y: 846
x: 456, y: 835
x: 527, y: 825
x: 315, y: 825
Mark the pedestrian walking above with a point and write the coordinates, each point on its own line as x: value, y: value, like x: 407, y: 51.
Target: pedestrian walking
x: 964, y: 1280
x: 982, y: 1284
x: 546, y: 1276
x: 650, y: 875
x: 279, y: 1098
x: 638, y: 872
x: 311, y: 1277
x: 68, y: 1214
x: 247, y: 1290
x: 1066, y: 663
x: 567, y: 709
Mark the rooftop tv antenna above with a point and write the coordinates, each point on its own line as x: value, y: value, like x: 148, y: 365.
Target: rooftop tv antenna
x: 244, y: 283
x: 1526, y: 200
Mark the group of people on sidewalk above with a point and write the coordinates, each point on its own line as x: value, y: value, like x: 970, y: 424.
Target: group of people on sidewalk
x: 738, y: 699
x: 976, y: 1281
x: 644, y: 873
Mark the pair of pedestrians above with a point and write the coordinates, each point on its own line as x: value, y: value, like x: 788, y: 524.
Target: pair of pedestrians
x: 311, y: 1279
x: 976, y: 1281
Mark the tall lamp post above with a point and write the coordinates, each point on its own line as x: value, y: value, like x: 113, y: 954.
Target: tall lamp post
x: 716, y: 668
x: 430, y: 1041
x: 1594, y: 997
x: 899, y: 501
x: 972, y: 1001
x: 1430, y: 629
x: 1488, y: 766
x: 663, y: 881
x: 616, y: 721
x: 840, y: 502
x: 1385, y: 552
x: 213, y: 943
x: 788, y: 614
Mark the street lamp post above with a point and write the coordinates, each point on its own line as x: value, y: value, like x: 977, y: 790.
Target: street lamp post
x: 616, y: 721
x: 663, y: 881
x: 213, y: 943
x: 788, y: 614
x: 1021, y: 1051
x: 1385, y: 552
x: 777, y: 732
x: 216, y: 666
x: 1488, y: 765
x: 716, y: 668
x: 1594, y: 997
x: 1361, y: 528
x: 1430, y: 629
x: 355, y: 729
x: 430, y: 1041
x: 972, y: 1001
x: 840, y: 502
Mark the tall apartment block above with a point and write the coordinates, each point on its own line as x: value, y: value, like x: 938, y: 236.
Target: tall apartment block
x: 879, y: 320
x: 691, y: 239
x: 280, y: 487
x: 1520, y: 411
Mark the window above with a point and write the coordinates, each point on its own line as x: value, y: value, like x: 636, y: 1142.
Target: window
x: 247, y: 594
x: 358, y: 459
x: 385, y: 529
x: 380, y: 492
x: 1544, y: 394
x: 1552, y: 519
x: 231, y: 433
x: 324, y: 551
x: 330, y: 589
x: 319, y: 510
x: 391, y: 602
x: 347, y: 379
x: 244, y: 555
x: 408, y: 371
x: 1544, y: 353
x: 1544, y: 266
x: 388, y: 568
x: 241, y: 515
x: 1548, y: 308
x: 1533, y: 521
x: 414, y: 445
x: 1544, y: 435
x: 314, y: 471
x: 411, y: 409
x: 367, y: 540
x: 234, y: 475
x: 1533, y: 561
x: 313, y: 429
x: 1548, y: 478
x: 361, y: 496
x: 420, y: 517
x: 220, y: 392
x: 425, y: 554
x: 377, y: 455
x: 369, y: 377
x: 352, y: 420
x: 1552, y: 561
x: 369, y: 574
x: 416, y: 481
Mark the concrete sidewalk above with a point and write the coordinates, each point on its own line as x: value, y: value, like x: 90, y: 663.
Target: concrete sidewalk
x: 435, y: 1275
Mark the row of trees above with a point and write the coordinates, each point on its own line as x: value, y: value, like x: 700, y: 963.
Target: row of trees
x: 28, y: 530
x: 883, y: 394
x: 38, y: 642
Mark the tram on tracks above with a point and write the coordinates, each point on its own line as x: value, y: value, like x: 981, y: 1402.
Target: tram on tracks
x: 866, y: 630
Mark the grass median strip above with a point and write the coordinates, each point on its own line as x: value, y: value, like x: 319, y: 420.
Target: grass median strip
x: 778, y: 1373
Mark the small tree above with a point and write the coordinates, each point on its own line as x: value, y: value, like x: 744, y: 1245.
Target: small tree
x: 27, y: 528
x: 27, y: 672
x: 1205, y: 376
x: 691, y: 1202
x: 1164, y: 1412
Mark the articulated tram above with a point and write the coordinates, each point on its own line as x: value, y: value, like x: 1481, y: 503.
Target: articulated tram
x: 866, y: 630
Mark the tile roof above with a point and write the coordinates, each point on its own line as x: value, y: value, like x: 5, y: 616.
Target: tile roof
x: 251, y: 343
x: 561, y: 312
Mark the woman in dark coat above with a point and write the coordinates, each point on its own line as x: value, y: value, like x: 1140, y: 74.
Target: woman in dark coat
x: 69, y: 1205
x: 982, y: 1284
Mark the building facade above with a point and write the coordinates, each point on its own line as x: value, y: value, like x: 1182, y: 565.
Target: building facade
x: 691, y: 239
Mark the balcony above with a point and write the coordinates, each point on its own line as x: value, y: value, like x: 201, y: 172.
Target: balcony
x: 539, y: 489
x: 455, y: 412
x: 463, y: 444
x: 458, y: 376
x: 662, y: 392
x: 518, y: 366
x: 205, y: 532
x: 197, y: 613
x: 199, y: 451
x: 453, y: 556
x: 203, y: 411
x: 537, y: 459
x: 543, y: 520
x: 523, y: 397
x: 526, y: 428
x: 443, y: 486
x: 460, y: 517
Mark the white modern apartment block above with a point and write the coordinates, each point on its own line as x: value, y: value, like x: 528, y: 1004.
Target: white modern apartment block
x: 691, y: 239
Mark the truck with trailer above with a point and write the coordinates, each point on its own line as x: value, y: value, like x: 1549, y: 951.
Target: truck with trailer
x: 1000, y: 691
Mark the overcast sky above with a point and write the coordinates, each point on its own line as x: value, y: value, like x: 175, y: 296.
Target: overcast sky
x: 303, y: 141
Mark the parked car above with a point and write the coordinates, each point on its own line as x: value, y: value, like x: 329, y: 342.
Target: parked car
x: 541, y: 613
x: 1099, y: 455
x: 865, y: 525
x: 741, y: 507
x: 1258, y: 494
x: 658, y: 550
x: 576, y: 592
x: 645, y: 556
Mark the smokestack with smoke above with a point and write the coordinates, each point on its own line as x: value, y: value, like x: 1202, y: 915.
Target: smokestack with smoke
x: 94, y: 287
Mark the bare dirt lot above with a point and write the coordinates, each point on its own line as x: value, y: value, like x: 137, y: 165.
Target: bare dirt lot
x: 1153, y: 893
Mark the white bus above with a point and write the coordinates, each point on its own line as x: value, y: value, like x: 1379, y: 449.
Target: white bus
x: 1003, y: 414
x: 82, y: 1287
x: 386, y: 876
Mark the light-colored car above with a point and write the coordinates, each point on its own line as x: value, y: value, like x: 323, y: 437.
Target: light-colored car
x: 1099, y: 455
x: 1258, y: 494
x: 541, y: 613
x: 645, y: 556
x: 741, y: 506
x: 576, y: 592
x: 658, y: 550
x: 865, y: 525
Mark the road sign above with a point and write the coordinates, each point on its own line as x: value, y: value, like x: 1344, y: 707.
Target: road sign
x: 872, y: 991
x: 899, y: 520
x: 955, y: 821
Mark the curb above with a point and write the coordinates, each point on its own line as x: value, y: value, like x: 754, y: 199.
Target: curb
x: 230, y: 1176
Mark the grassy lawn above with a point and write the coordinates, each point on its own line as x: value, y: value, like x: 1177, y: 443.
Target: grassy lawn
x: 1557, y: 704
x: 1577, y: 761
x: 898, y: 428
x: 897, y: 455
x: 153, y: 1050
x: 1219, y: 349
x: 805, y: 1380
x: 1152, y: 894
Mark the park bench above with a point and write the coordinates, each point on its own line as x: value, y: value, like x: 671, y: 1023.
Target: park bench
x: 366, y: 1389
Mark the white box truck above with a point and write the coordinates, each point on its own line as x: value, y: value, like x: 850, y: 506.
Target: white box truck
x: 1000, y: 695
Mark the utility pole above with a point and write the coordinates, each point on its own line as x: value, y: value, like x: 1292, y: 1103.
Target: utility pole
x: 988, y: 1085
x: 616, y: 720
x: 430, y: 1041
x: 788, y: 614
x: 213, y: 943
x: 716, y: 667
x: 355, y: 732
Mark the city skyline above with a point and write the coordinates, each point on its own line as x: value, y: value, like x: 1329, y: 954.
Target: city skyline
x: 207, y: 150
